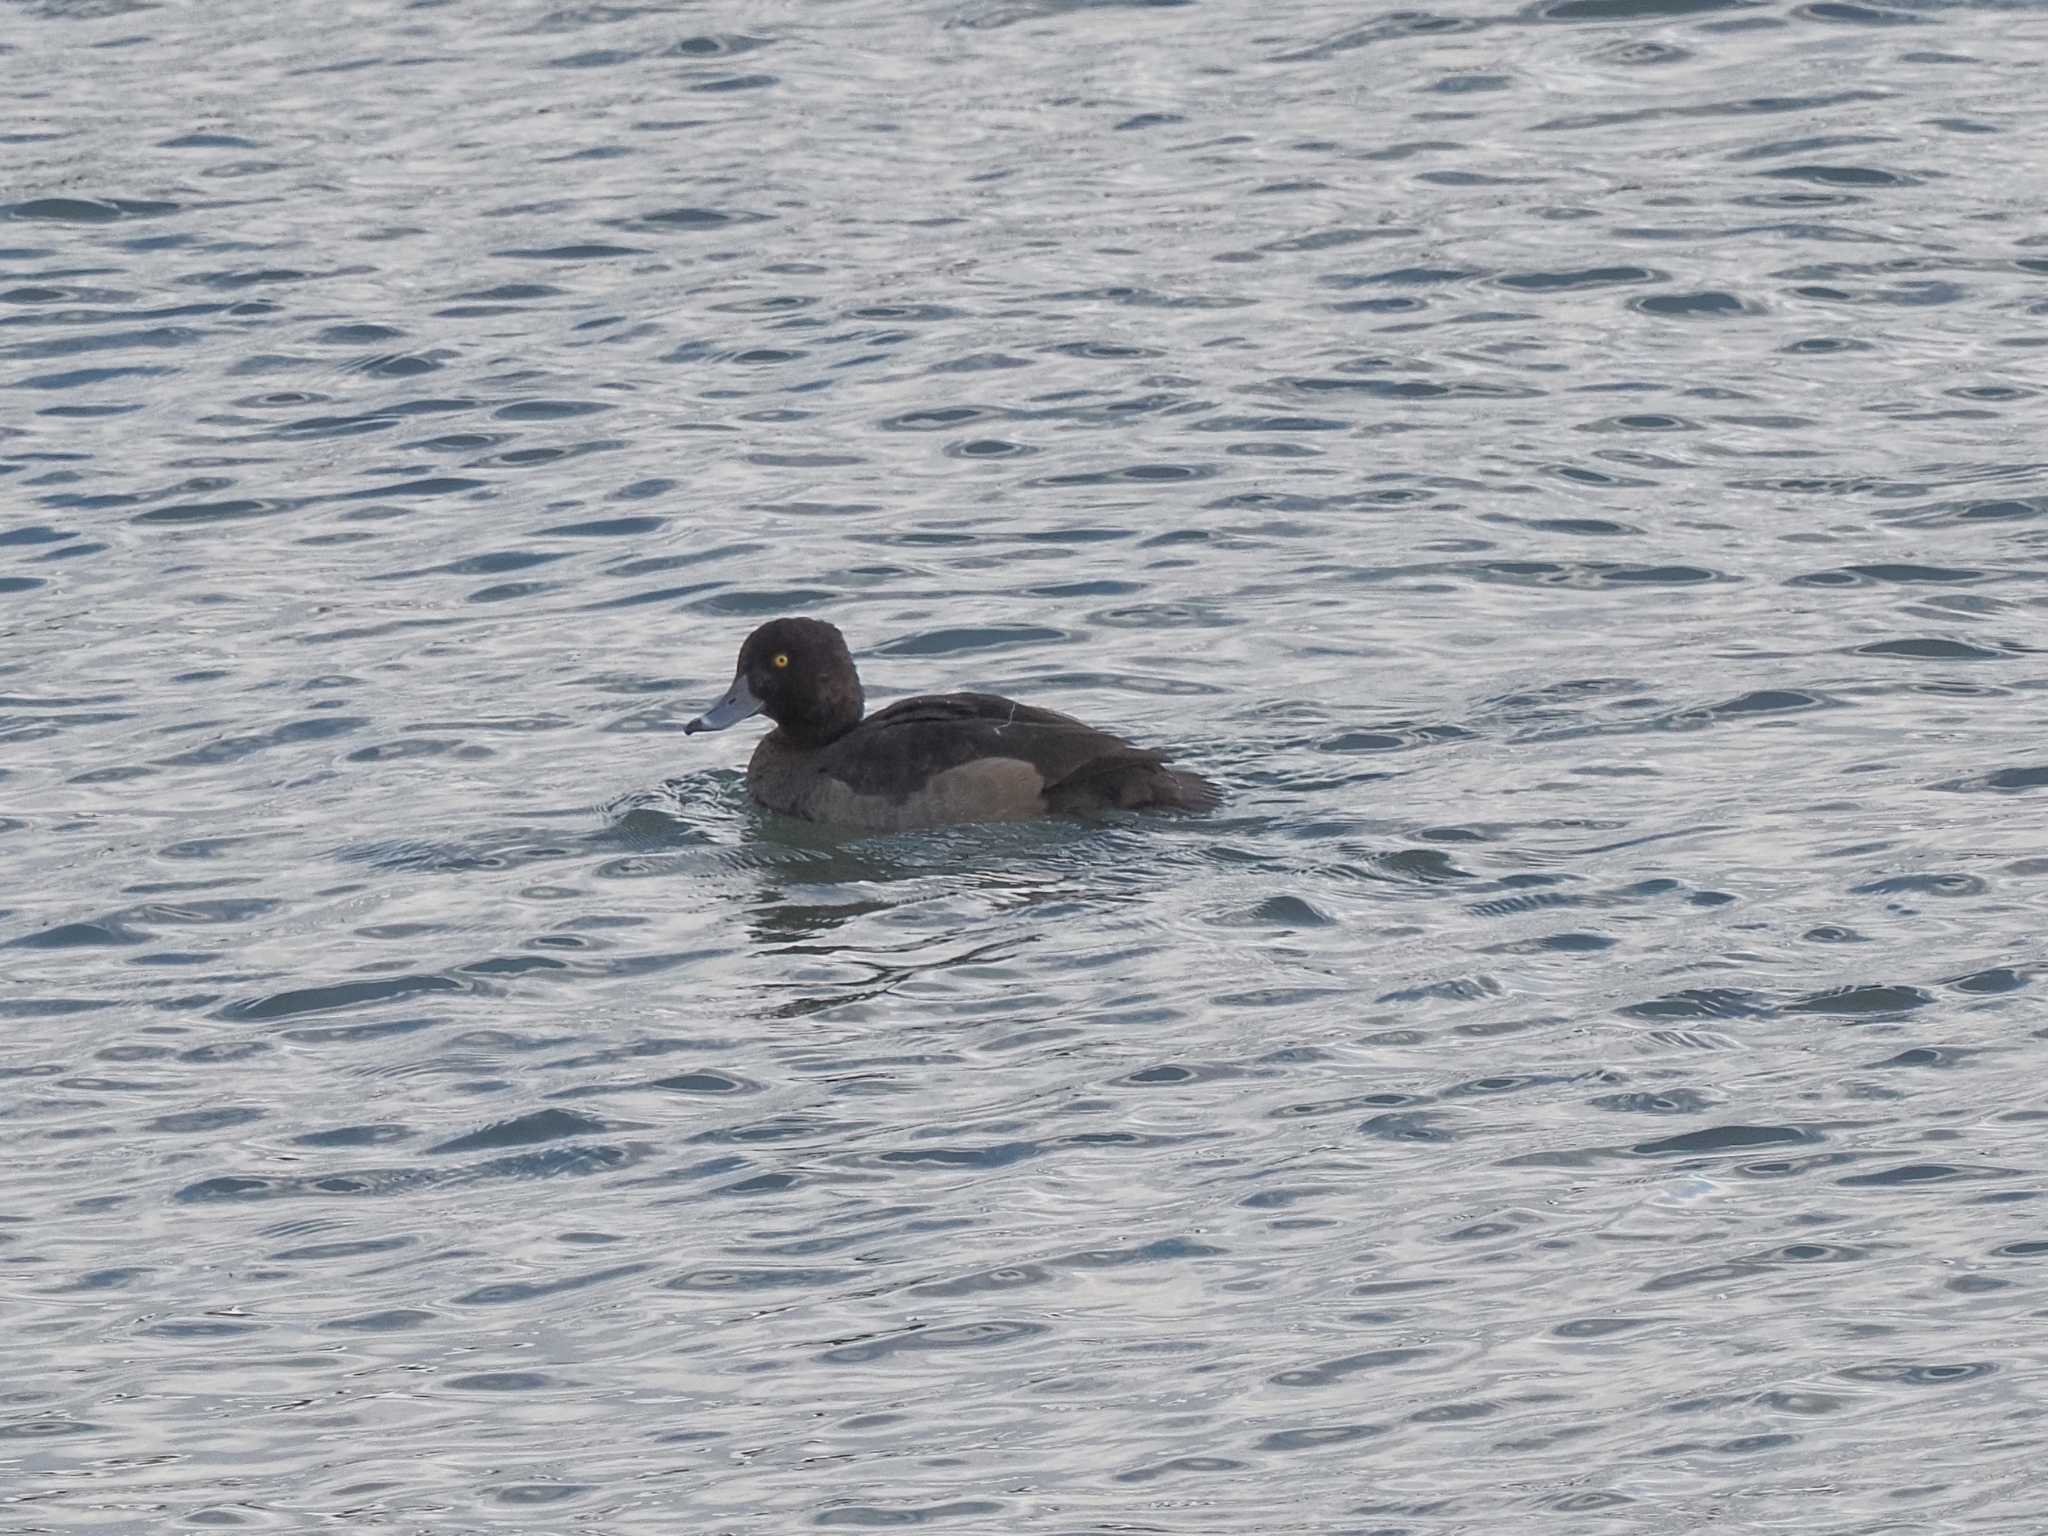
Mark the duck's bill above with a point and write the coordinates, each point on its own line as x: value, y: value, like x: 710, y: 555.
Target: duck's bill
x: 739, y: 702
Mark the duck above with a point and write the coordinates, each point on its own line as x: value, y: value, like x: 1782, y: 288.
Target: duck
x: 937, y: 759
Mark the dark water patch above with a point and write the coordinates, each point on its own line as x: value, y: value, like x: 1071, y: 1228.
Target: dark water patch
x: 356, y: 1136
x: 761, y: 1278
x: 491, y: 563
x: 1423, y: 1126
x: 231, y: 749
x: 2005, y: 781
x: 358, y: 334
x: 205, y: 140
x: 1462, y: 989
x: 423, y: 488
x: 1574, y: 943
x: 727, y: 83
x: 936, y: 418
x: 1947, y: 884
x: 1936, y: 648
x: 1631, y: 10
x: 1176, y: 1074
x: 1766, y: 701
x: 1134, y: 297
x: 219, y: 511
x: 1920, y: 1056
x: 500, y: 1381
x: 1725, y: 1138
x: 999, y: 1155
x: 35, y: 533
x: 85, y: 935
x: 587, y: 251
x: 1347, y: 1105
x: 762, y: 604
x: 548, y: 410
x: 200, y: 910
x: 525, y: 1130
x: 989, y: 448
x: 1341, y: 1368
x: 398, y: 365
x: 1738, y: 107
x: 512, y: 293
x: 1399, y: 736
x: 511, y: 965
x: 2001, y: 509
x: 605, y: 528
x: 702, y: 1082
x: 1317, y: 1437
x: 517, y: 1292
x: 1913, y: 1175
x: 49, y: 1427
x: 1272, y: 424
x: 1406, y: 389
x: 357, y: 1034
x: 1993, y: 982
x: 1582, y: 278
x: 385, y: 1183
x: 1403, y: 276
x: 1842, y: 13
x: 911, y: 1512
x: 1584, y: 527
x: 1816, y: 346
x: 1919, y: 1373
x: 411, y: 747
x: 341, y: 995
x: 1903, y: 574
x: 1596, y: 573
x: 676, y: 221
x: 1711, y: 304
x: 200, y: 1122
x: 900, y: 311
x: 928, y: 1339
x: 1853, y: 1001
x: 595, y: 58
x: 1488, y: 1087
x: 1667, y: 1101
x: 1841, y: 176
x: 1425, y: 866
x: 1180, y: 1466
x: 1131, y: 474
x: 1702, y: 1003
x: 957, y: 642
x: 719, y: 45
x: 527, y: 1495
x: 86, y: 210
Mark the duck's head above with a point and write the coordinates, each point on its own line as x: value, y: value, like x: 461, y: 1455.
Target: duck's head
x: 797, y: 672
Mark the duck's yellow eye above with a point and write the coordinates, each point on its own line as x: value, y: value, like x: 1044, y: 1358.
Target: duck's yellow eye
x: 781, y: 660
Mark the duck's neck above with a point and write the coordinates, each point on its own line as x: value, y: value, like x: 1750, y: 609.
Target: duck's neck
x: 824, y: 717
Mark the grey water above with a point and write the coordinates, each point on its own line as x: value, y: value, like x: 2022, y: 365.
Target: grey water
x: 1573, y: 471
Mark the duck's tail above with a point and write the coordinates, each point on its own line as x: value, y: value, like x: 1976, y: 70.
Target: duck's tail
x: 1177, y: 790
x: 1137, y: 782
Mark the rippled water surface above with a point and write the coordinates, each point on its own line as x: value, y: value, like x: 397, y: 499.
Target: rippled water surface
x: 1570, y: 472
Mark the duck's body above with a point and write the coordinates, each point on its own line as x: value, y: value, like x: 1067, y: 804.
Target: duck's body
x: 925, y: 761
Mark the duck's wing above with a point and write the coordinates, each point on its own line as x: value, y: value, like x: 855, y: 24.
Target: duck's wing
x: 1077, y: 767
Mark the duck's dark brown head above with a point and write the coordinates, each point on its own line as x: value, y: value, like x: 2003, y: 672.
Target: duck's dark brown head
x: 799, y: 674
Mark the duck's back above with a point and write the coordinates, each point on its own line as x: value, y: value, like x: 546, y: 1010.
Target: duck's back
x: 956, y: 757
